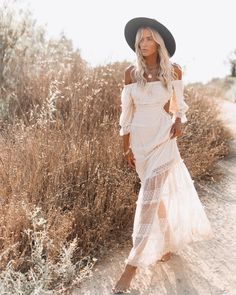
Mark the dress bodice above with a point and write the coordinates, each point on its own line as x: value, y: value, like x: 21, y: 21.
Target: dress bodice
x: 150, y: 99
x: 153, y: 92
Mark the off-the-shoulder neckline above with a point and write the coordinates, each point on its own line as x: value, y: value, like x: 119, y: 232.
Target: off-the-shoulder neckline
x: 158, y: 81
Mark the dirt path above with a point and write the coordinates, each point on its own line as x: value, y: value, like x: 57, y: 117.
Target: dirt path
x: 202, y: 268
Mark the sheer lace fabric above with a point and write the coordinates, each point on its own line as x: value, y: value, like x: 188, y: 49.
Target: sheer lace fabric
x: 168, y: 212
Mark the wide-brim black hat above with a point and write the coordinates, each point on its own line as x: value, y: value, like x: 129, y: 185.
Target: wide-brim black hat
x: 134, y: 24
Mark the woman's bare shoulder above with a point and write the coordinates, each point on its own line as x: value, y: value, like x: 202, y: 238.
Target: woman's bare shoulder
x: 128, y: 74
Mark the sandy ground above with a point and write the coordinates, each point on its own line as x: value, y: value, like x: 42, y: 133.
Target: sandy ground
x: 202, y: 268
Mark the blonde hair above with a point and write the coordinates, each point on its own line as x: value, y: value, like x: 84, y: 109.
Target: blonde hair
x: 166, y: 71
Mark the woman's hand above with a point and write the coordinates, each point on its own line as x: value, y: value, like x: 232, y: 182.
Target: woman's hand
x: 176, y: 129
x: 130, y: 158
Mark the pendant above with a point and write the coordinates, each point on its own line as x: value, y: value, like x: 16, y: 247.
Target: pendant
x: 149, y: 76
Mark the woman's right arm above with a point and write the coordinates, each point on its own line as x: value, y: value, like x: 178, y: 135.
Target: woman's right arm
x: 126, y: 117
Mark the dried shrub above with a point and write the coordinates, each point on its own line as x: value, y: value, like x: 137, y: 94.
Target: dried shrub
x: 205, y: 139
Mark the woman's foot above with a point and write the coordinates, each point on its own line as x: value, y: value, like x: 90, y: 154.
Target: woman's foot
x: 125, y: 279
x: 166, y: 257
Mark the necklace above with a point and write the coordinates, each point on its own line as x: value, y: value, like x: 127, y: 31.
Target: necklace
x: 151, y: 71
x: 149, y: 76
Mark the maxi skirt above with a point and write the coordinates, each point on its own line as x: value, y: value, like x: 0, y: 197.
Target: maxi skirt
x: 169, y: 213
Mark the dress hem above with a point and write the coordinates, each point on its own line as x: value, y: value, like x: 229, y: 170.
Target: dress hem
x: 172, y: 249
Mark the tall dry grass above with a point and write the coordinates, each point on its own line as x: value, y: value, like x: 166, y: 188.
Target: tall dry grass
x: 205, y: 139
x: 67, y: 195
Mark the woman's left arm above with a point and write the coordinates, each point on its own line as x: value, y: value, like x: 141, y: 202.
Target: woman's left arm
x: 178, y: 106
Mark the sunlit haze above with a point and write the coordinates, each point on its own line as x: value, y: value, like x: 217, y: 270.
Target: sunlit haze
x: 203, y: 30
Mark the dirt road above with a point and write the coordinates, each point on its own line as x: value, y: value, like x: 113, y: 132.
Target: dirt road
x: 202, y: 268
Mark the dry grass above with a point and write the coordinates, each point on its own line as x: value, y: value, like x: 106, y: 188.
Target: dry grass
x: 66, y: 193
x: 72, y: 169
x: 205, y: 139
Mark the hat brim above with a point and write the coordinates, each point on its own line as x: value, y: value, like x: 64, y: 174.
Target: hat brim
x: 134, y: 24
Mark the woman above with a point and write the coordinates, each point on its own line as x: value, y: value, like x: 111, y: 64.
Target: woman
x: 169, y: 213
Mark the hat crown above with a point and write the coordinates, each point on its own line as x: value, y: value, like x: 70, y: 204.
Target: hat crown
x: 134, y: 24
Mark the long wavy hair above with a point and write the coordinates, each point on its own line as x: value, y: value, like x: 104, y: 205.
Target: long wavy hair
x: 165, y: 72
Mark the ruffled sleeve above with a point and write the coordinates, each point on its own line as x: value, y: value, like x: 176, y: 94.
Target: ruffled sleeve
x: 127, y: 110
x: 177, y: 104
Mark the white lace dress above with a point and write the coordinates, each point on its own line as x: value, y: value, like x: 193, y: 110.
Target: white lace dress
x: 168, y: 213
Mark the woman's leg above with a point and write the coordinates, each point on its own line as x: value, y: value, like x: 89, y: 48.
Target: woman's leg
x: 152, y: 191
x: 125, y: 278
x: 163, y: 220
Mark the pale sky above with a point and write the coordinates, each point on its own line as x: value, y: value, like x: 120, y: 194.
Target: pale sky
x: 203, y: 30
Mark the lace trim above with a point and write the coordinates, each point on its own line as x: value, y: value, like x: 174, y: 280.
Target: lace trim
x: 143, y: 230
x: 163, y: 168
x: 143, y: 233
x: 154, y: 183
x: 151, y: 205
